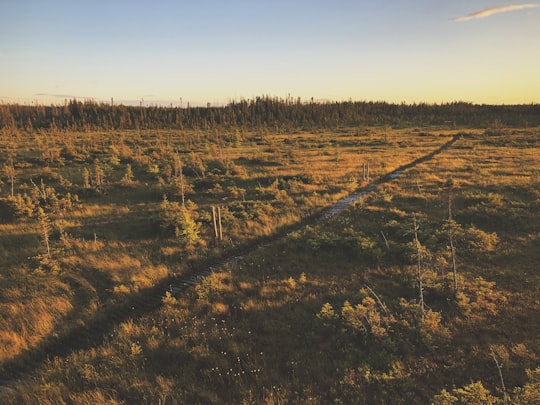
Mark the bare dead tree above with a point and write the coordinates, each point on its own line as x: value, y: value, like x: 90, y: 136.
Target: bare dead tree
x: 385, y: 241
x: 451, y: 226
x: 378, y: 299
x: 418, y: 247
x: 178, y: 172
x: 10, y: 172
x: 42, y: 192
x: 499, y: 369
x: 45, y: 229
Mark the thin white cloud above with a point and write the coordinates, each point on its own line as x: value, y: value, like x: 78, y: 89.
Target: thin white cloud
x: 55, y: 95
x: 63, y: 96
x: 494, y: 10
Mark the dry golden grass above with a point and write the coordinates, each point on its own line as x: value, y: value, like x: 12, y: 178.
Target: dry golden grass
x: 25, y: 323
x: 99, y: 210
x: 271, y: 304
x: 129, y: 273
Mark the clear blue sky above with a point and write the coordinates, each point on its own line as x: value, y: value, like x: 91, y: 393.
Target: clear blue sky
x: 218, y: 50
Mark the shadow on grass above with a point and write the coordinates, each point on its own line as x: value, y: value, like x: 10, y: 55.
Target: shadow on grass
x: 85, y: 333
x: 95, y: 329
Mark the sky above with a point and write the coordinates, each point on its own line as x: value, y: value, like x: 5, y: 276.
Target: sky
x: 165, y: 52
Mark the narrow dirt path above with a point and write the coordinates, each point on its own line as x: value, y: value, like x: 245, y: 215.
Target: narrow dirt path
x: 94, y: 331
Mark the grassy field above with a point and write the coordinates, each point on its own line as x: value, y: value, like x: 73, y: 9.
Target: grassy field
x: 332, y: 313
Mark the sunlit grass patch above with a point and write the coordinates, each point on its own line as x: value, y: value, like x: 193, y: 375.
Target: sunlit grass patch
x: 250, y: 332
x: 27, y: 320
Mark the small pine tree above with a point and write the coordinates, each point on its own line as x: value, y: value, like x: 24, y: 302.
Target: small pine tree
x: 99, y: 175
x: 188, y: 228
x: 474, y: 393
x: 530, y: 392
x: 128, y: 176
x: 22, y: 205
x: 86, y: 178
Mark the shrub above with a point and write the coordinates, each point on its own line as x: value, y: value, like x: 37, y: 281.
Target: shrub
x: 472, y: 394
x: 479, y: 298
x: 478, y: 240
x: 18, y: 206
x: 178, y: 218
x: 530, y: 392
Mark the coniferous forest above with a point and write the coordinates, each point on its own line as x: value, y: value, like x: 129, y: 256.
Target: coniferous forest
x: 272, y: 113
x: 270, y: 251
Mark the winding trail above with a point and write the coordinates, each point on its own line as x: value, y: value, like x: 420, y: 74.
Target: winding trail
x: 95, y: 330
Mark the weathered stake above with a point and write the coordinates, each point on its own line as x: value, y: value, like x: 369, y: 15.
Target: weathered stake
x: 214, y: 221
x: 219, y: 222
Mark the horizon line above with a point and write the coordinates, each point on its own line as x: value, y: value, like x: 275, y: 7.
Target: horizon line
x: 183, y: 104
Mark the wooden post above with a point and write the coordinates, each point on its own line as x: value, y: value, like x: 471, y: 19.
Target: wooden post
x: 364, y: 177
x: 219, y: 222
x: 215, y: 222
x: 367, y: 171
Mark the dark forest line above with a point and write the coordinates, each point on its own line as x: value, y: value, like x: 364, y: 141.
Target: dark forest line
x: 270, y: 113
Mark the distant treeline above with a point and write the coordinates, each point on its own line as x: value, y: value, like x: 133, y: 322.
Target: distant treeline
x: 272, y: 113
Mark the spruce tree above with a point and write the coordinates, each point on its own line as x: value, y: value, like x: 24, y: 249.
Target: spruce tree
x: 188, y: 228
